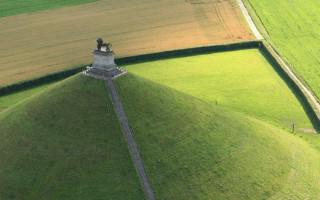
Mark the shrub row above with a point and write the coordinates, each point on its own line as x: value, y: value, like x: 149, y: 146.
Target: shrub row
x: 188, y: 52
x: 39, y: 81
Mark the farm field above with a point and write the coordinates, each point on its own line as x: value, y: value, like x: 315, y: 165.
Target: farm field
x: 294, y: 29
x: 242, y: 81
x: 14, y: 7
x: 53, y: 148
x: 39, y: 43
x: 196, y: 150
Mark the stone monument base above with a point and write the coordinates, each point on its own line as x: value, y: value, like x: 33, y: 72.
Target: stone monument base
x: 99, y: 73
x: 104, y: 66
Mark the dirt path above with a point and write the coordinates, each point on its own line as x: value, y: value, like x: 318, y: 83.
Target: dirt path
x: 132, y: 145
x: 251, y: 24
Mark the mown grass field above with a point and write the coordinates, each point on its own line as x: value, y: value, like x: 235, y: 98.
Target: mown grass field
x: 197, y: 150
x: 294, y: 29
x: 65, y: 143
x: 242, y: 81
x: 40, y: 43
x: 14, y: 7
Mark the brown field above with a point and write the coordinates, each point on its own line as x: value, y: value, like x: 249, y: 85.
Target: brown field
x: 32, y: 45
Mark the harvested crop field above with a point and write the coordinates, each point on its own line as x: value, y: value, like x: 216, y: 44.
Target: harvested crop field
x: 53, y: 40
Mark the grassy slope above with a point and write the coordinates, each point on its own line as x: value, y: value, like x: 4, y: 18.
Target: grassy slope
x: 312, y: 139
x: 14, y: 7
x: 9, y: 100
x: 65, y: 144
x: 294, y: 28
x: 240, y: 80
x: 196, y: 150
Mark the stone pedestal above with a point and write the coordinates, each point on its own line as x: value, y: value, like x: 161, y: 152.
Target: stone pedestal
x: 104, y: 60
x: 104, y: 66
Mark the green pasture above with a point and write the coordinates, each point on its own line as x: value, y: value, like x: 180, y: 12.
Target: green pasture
x: 65, y: 143
x: 294, y: 29
x: 242, y: 81
x: 194, y: 149
x: 14, y: 7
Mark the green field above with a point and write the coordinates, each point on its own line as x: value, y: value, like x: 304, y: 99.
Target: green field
x: 195, y: 150
x: 14, y: 7
x: 51, y: 146
x: 294, y: 29
x: 242, y: 81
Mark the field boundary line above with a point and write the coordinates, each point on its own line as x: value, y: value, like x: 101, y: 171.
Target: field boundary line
x: 250, y: 21
x: 132, y: 145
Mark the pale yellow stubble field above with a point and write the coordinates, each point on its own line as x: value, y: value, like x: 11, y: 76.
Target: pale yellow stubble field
x: 32, y: 45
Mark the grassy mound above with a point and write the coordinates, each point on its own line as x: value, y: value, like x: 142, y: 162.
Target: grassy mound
x: 201, y: 135
x: 15, y: 7
x: 65, y: 144
x: 196, y: 150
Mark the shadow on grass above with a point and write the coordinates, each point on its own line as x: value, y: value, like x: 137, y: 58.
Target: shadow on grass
x: 294, y: 89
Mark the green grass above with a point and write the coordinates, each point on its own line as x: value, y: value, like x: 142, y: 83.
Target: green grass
x: 312, y: 139
x: 65, y: 143
x: 294, y: 29
x: 14, y: 7
x: 194, y: 149
x: 12, y: 99
x: 242, y: 81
